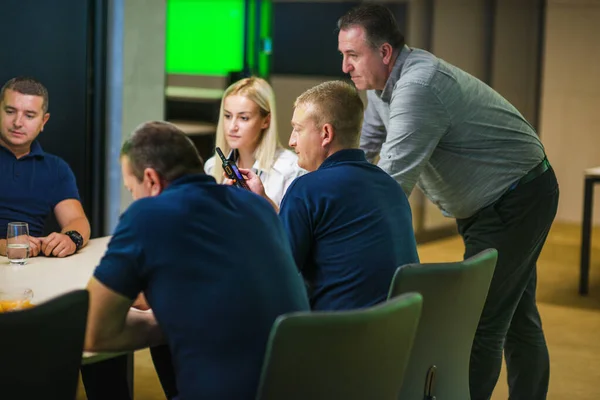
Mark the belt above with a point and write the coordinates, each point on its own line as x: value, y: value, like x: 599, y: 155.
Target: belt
x: 534, y: 173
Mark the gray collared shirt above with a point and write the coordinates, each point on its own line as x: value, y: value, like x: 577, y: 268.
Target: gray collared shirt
x: 444, y: 130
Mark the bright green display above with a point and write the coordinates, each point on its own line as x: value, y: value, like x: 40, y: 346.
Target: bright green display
x: 259, y: 43
x: 204, y: 37
x: 266, y: 33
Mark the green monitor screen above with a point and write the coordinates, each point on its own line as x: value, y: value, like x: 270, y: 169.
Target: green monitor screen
x: 205, y: 37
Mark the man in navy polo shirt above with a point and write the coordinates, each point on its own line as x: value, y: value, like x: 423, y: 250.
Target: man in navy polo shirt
x: 213, y: 263
x: 34, y: 184
x: 349, y: 223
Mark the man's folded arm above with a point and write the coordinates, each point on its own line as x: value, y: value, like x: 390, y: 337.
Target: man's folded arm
x: 114, y: 326
x: 418, y: 121
x: 373, y: 131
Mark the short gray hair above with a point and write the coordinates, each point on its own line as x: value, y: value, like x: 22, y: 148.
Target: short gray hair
x: 378, y: 22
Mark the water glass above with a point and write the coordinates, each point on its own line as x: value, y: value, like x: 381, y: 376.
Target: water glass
x: 17, y: 242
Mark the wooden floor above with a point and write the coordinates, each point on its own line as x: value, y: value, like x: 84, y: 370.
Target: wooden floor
x: 571, y: 322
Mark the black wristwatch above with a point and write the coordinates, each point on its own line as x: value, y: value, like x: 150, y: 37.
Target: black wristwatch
x: 76, y: 238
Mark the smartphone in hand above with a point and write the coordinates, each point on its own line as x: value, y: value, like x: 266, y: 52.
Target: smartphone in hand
x: 232, y: 171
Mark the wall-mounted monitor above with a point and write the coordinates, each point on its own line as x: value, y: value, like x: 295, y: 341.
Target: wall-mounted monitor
x: 218, y: 37
x: 204, y: 37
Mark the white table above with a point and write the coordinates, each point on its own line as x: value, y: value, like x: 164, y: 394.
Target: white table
x: 49, y: 277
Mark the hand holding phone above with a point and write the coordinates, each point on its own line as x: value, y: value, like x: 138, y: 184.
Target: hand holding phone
x: 232, y: 171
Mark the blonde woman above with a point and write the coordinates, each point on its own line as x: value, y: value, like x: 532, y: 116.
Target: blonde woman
x: 247, y: 133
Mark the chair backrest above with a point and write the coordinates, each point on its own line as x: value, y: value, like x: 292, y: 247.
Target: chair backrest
x: 453, y: 298
x: 340, y: 355
x: 41, y: 348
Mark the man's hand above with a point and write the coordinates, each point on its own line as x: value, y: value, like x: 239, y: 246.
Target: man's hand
x: 58, y: 245
x: 35, y: 245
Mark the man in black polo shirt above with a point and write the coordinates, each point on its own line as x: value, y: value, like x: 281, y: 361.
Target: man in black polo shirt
x: 33, y: 183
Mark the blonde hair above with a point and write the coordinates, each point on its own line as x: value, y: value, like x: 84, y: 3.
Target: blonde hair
x: 339, y: 104
x: 259, y: 91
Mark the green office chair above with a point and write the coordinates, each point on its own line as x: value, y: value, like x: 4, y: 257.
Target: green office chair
x: 454, y: 294
x: 41, y: 349
x: 349, y: 355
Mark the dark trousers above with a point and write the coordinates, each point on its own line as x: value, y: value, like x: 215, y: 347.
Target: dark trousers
x: 163, y: 363
x: 107, y: 379
x: 517, y: 226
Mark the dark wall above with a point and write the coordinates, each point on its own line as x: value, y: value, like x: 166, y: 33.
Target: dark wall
x: 56, y: 43
x: 305, y: 36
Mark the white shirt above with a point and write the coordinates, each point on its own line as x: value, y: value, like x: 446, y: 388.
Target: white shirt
x: 276, y: 181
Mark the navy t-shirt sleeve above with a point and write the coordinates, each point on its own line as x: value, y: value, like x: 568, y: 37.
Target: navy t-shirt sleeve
x: 296, y: 221
x: 66, y: 186
x: 120, y: 267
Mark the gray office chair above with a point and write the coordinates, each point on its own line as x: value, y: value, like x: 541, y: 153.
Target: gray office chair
x: 41, y: 349
x: 453, y: 298
x: 350, y: 355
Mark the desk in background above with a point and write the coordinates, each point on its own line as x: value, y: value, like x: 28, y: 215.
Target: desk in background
x: 592, y: 177
x: 196, y: 112
x: 193, y: 94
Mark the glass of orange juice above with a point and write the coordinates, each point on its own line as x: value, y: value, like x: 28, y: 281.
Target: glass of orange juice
x: 14, y: 299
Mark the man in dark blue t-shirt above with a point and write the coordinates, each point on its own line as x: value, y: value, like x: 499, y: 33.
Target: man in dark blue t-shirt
x: 349, y: 223
x: 213, y: 263
x: 34, y: 184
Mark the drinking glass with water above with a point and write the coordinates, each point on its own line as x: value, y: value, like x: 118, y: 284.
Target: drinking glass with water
x: 17, y: 242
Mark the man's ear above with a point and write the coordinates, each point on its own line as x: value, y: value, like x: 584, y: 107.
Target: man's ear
x: 386, y: 51
x: 44, y: 120
x: 153, y: 182
x: 327, y: 135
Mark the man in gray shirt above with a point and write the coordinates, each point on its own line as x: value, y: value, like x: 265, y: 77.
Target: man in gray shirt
x: 475, y: 156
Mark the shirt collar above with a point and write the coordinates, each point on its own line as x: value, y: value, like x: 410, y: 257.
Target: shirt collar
x: 191, y: 179
x: 35, y: 150
x: 346, y: 155
x: 256, y: 167
x: 386, y: 94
